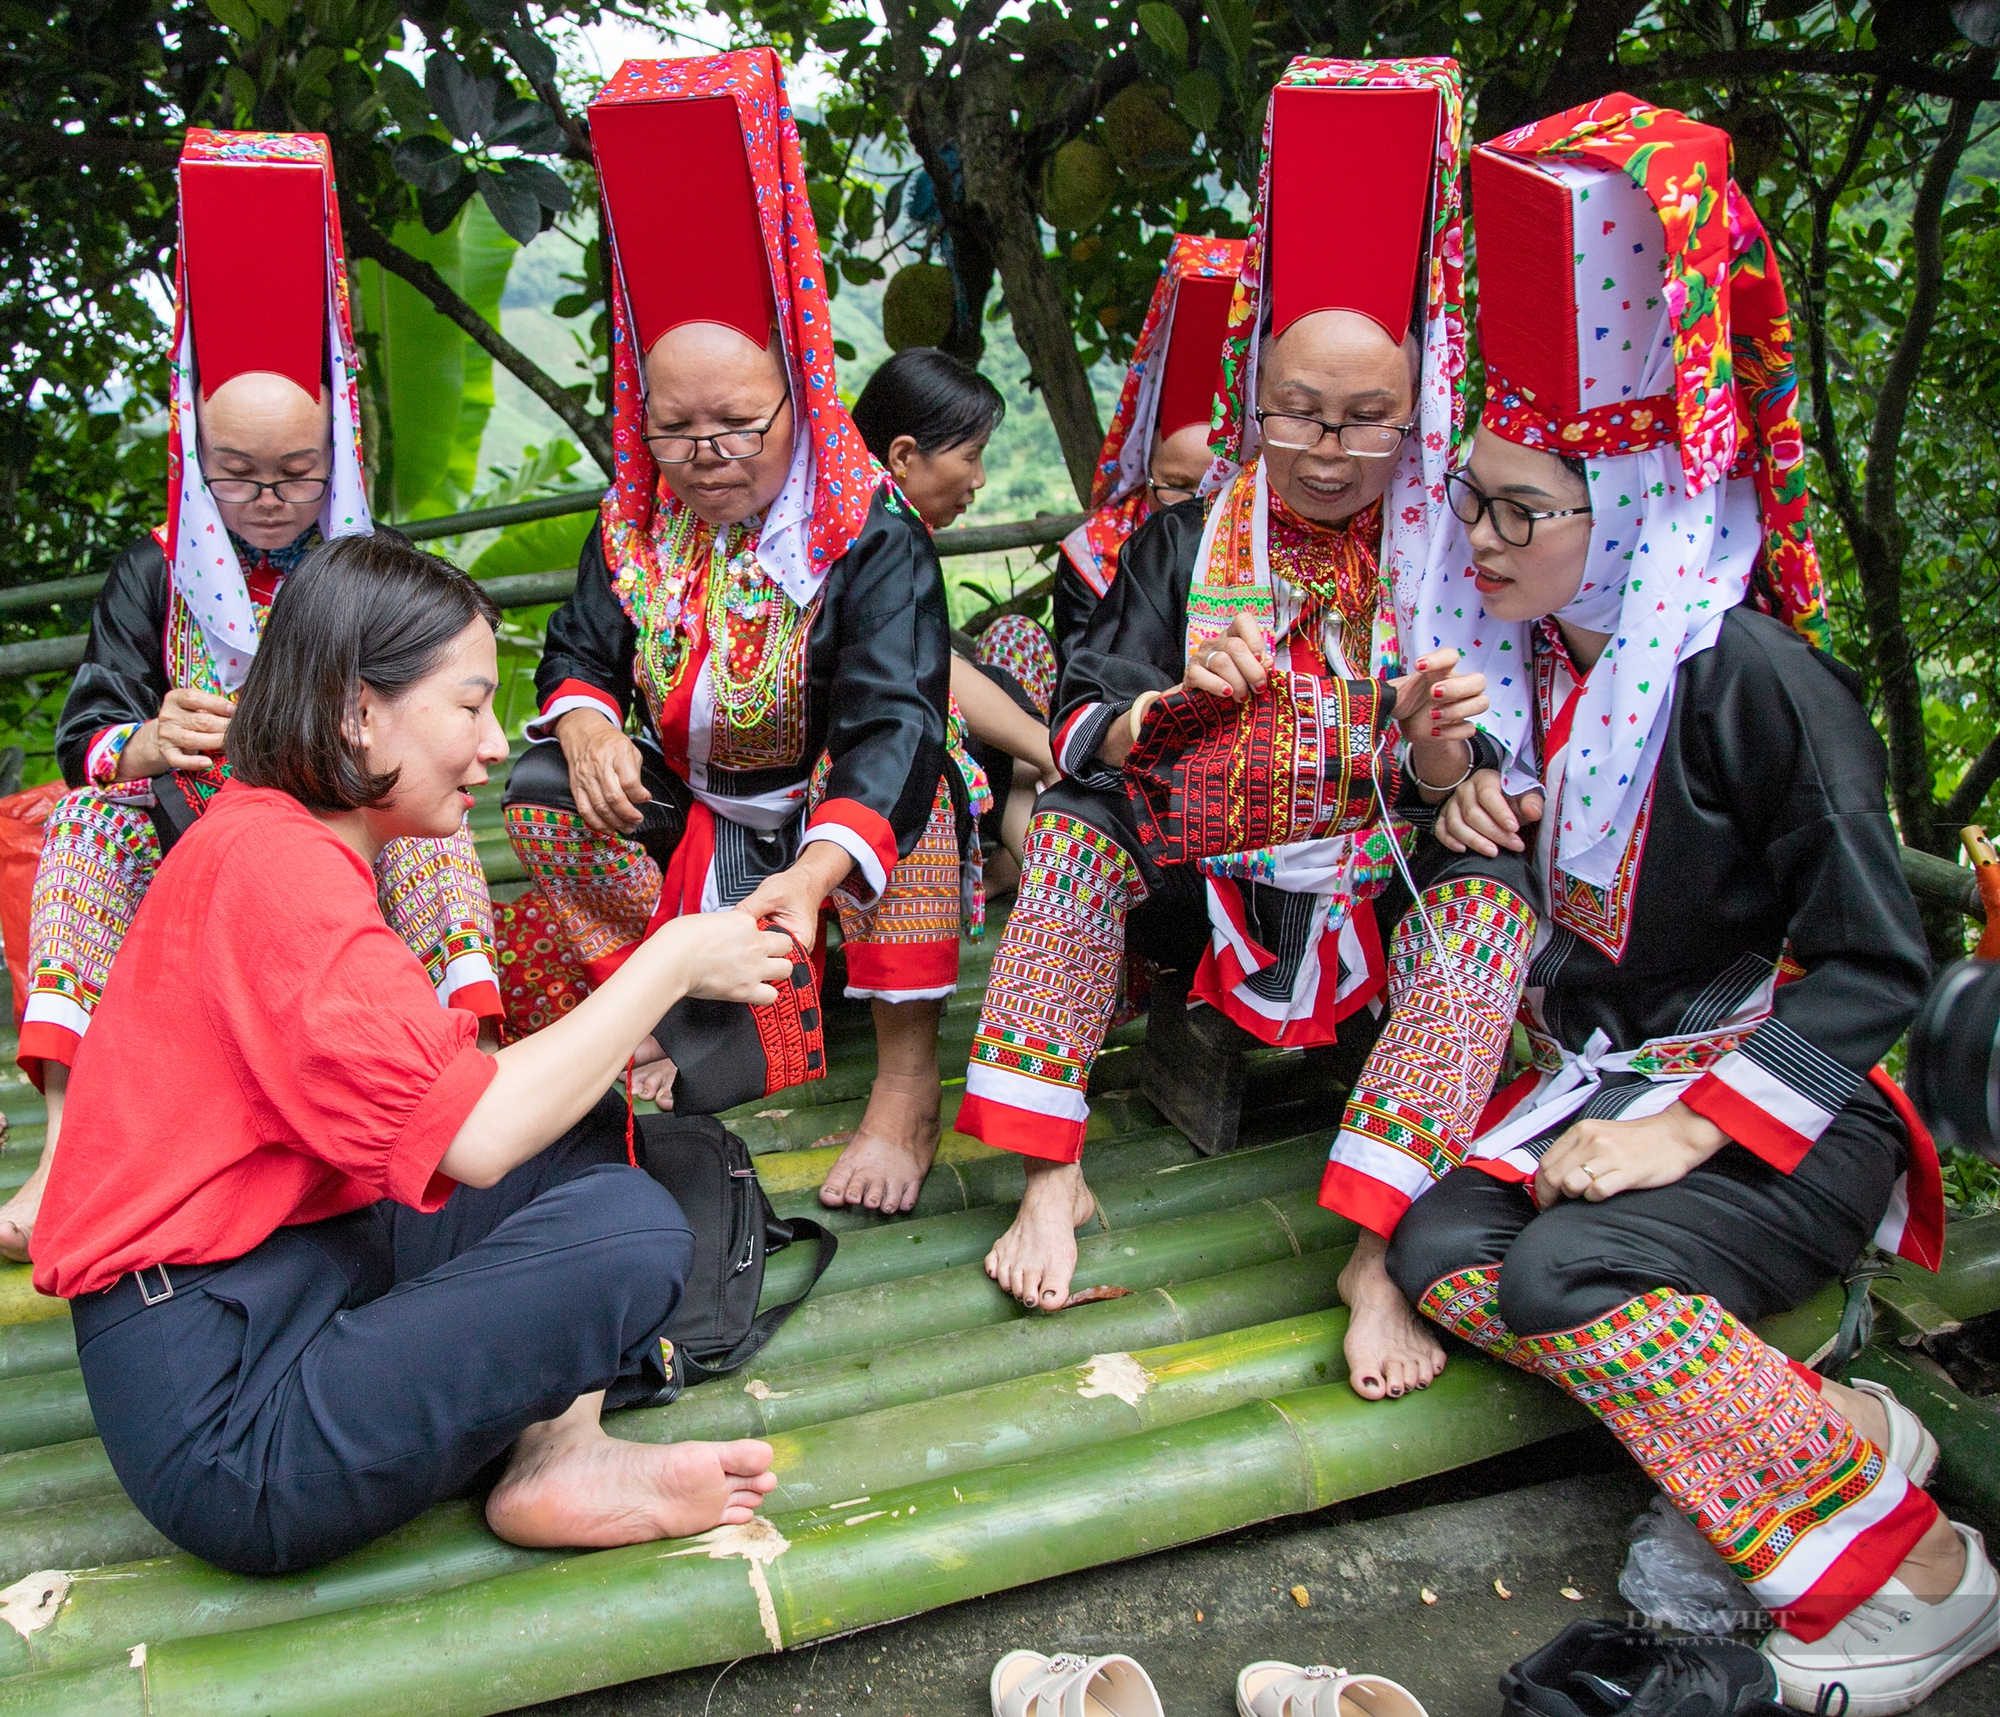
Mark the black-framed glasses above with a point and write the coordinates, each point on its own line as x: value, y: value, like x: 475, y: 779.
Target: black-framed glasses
x: 241, y: 491
x: 730, y: 444
x: 1170, y: 494
x: 1359, y: 440
x: 1513, y: 523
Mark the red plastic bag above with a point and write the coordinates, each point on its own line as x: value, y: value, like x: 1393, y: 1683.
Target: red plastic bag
x: 24, y: 819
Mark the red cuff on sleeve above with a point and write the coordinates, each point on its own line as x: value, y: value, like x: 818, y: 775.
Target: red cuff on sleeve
x: 413, y: 1176
x: 1753, y: 1127
x: 872, y: 827
x: 583, y: 689
x: 1361, y: 1198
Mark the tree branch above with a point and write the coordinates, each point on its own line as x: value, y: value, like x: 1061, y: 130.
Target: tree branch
x: 1964, y: 804
x: 1906, y: 361
x: 1825, y: 425
x: 364, y: 239
x: 92, y: 148
x: 1898, y: 70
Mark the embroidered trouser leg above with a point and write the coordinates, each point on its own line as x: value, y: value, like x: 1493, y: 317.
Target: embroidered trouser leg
x: 1416, y: 1104
x: 1084, y: 893
x: 903, y: 945
x: 98, y: 858
x: 433, y: 895
x: 1639, y: 1308
x: 600, y: 889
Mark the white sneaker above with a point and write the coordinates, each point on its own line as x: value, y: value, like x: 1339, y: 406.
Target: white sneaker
x: 1893, y: 1651
x: 1911, y: 1446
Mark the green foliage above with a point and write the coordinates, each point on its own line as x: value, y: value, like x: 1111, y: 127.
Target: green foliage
x: 431, y: 386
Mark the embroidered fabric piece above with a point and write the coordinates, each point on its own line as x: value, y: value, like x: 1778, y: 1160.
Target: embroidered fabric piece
x: 540, y: 979
x: 1430, y: 1073
x: 1209, y: 778
x: 910, y: 930
x: 1601, y: 916
x: 1021, y: 649
x: 599, y: 889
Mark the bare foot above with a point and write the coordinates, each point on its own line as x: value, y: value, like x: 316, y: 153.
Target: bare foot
x: 883, y: 1167
x: 652, y: 1077
x: 17, y: 1215
x: 1389, y: 1349
x: 1035, y: 1259
x: 570, y: 1484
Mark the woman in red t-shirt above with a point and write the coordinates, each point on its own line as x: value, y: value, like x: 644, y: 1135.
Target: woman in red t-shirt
x: 325, y: 1259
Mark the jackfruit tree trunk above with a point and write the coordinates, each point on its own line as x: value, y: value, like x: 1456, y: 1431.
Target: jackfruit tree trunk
x: 996, y: 187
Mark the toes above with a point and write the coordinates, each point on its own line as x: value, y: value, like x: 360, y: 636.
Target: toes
x: 834, y: 1192
x: 993, y: 1267
x: 1367, y: 1384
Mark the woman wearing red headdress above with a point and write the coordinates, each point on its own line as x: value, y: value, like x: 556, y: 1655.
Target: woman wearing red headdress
x: 1694, y: 897
x: 264, y: 460
x: 757, y: 604
x: 1338, y: 400
x: 1156, y: 451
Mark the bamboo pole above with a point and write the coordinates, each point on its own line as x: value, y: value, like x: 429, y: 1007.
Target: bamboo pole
x: 42, y: 1478
x: 46, y: 1407
x: 896, y: 1250
x: 594, y: 1620
x: 874, y: 1320
x: 175, y: 1597
x: 825, y: 1390
x: 1136, y: 1404
x: 869, y: 1319
x: 53, y: 1408
x: 43, y: 1346
x: 1967, y: 1429
x: 764, y: 1400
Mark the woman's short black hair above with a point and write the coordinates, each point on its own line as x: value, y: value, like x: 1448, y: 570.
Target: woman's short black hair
x: 372, y: 611
x: 1576, y: 467
x: 939, y: 400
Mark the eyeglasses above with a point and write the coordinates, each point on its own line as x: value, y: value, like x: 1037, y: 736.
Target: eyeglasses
x: 1170, y: 494
x: 1513, y: 523
x: 1361, y: 440
x: 241, y: 491
x: 730, y: 444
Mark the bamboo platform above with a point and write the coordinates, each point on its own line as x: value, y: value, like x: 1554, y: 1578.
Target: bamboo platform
x: 935, y: 1442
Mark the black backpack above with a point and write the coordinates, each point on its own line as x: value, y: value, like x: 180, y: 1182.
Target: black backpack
x: 716, y: 1326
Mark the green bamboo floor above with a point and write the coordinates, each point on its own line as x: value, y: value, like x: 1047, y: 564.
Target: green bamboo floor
x: 934, y: 1441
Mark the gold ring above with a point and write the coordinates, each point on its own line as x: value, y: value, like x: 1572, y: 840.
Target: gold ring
x: 1587, y: 1169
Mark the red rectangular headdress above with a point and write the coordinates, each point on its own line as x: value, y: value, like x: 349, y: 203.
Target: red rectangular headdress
x: 1354, y: 239
x: 1589, y: 223
x: 1164, y: 391
x: 260, y: 284
x: 706, y: 220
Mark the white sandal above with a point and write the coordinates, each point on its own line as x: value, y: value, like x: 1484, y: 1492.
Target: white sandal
x: 1273, y: 1689
x: 1027, y: 1684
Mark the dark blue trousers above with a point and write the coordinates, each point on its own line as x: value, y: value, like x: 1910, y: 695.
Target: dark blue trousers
x: 341, y: 1378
